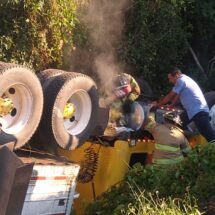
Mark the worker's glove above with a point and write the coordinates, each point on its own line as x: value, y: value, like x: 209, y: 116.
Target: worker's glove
x: 132, y: 96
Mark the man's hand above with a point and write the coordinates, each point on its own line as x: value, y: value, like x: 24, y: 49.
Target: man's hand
x: 154, y: 106
x: 169, y: 107
x: 169, y: 97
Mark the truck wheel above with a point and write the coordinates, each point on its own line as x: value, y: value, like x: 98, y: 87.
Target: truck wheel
x: 22, y: 88
x: 210, y: 98
x: 46, y: 76
x: 48, y: 73
x: 78, y: 91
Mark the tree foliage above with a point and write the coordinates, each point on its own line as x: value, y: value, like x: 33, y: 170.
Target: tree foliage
x: 201, y: 16
x: 35, y: 32
x: 44, y: 33
x: 158, y: 34
x: 155, y: 39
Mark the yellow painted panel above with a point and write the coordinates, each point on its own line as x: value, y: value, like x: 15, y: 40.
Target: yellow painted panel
x: 113, y: 164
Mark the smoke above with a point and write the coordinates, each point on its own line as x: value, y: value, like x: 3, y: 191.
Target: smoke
x: 105, y: 21
x: 106, y: 69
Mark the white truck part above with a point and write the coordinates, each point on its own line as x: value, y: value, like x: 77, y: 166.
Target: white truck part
x: 51, y: 189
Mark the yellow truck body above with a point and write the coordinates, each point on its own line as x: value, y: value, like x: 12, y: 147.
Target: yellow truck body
x: 113, y: 164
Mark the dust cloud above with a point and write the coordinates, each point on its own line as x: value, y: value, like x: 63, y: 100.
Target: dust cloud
x: 105, y: 22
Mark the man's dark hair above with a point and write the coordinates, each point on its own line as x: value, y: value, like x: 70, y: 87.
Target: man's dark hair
x: 175, y: 71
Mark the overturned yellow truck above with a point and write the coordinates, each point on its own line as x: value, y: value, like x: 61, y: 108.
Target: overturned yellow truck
x: 59, y: 113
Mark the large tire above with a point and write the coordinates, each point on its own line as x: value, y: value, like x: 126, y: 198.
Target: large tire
x: 48, y: 73
x: 23, y: 88
x: 79, y: 90
x: 210, y: 98
x: 46, y: 76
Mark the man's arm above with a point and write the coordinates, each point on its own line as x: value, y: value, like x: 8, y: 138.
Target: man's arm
x: 135, y: 88
x: 171, y: 96
x: 175, y: 100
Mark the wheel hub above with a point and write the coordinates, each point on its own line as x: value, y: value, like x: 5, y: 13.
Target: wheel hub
x: 6, y: 106
x: 69, y: 111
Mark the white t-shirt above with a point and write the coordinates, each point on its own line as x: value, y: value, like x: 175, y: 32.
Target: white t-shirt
x: 191, y: 96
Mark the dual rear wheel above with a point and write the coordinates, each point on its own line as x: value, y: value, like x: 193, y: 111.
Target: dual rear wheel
x: 70, y: 108
x: 61, y: 107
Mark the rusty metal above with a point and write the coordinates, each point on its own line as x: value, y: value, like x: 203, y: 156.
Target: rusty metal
x: 89, y: 165
x: 41, y: 157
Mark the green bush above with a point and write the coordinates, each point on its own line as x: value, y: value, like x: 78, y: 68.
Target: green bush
x: 36, y: 32
x: 193, y: 177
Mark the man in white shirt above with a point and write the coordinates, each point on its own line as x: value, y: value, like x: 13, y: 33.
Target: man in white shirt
x: 191, y: 97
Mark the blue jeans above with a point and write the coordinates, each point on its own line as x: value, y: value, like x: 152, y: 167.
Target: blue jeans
x: 202, y: 122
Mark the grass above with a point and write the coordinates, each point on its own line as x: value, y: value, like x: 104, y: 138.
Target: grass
x: 147, y: 203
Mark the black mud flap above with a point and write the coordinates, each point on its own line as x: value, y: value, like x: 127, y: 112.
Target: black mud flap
x: 14, y: 180
x: 7, y: 140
